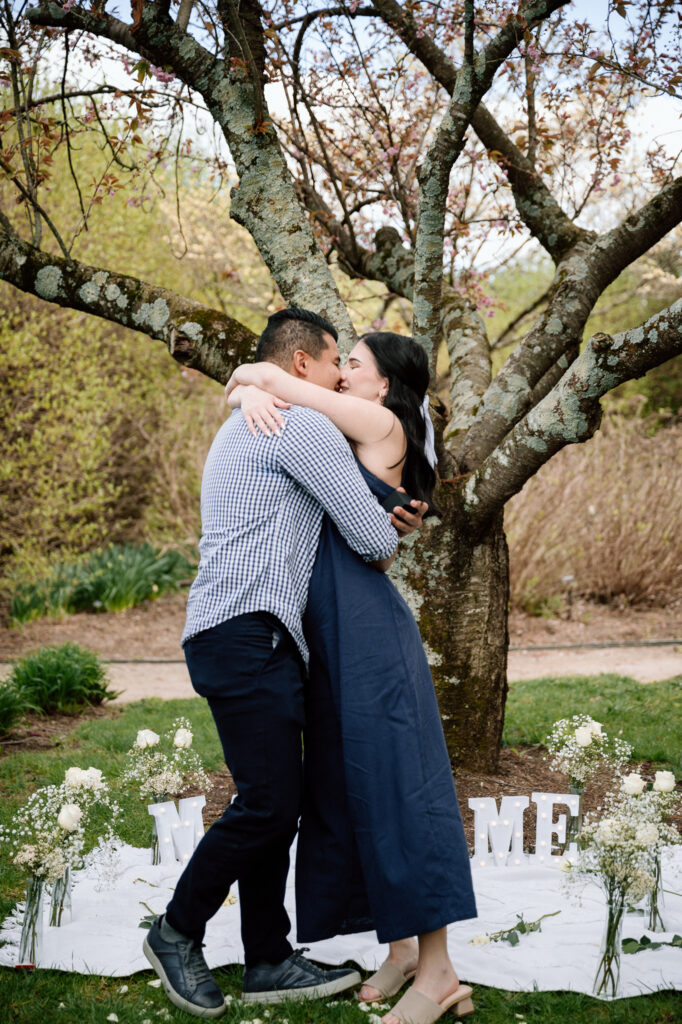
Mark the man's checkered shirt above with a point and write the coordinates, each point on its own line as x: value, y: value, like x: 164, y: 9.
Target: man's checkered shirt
x: 262, y: 502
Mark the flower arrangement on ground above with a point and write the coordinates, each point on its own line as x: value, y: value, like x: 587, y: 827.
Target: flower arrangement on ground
x: 580, y: 747
x: 164, y: 766
x: 652, y: 803
x: 618, y: 852
x: 46, y: 838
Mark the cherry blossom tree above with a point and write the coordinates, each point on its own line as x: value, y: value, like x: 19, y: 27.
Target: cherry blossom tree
x: 407, y: 145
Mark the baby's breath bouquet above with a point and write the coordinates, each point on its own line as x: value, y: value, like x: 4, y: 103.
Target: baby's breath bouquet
x: 579, y: 747
x: 652, y: 803
x: 46, y: 838
x: 616, y: 851
x: 87, y: 789
x: 164, y: 766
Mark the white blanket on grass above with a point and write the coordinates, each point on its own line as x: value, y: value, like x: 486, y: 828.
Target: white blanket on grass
x: 104, y: 937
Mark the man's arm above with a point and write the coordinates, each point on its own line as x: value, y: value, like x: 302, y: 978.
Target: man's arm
x: 315, y: 454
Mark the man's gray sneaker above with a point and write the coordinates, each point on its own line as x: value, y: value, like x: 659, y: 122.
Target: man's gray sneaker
x: 184, y: 973
x: 295, y: 978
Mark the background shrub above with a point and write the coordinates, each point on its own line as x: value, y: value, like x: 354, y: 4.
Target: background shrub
x: 63, y: 679
x: 606, y: 513
x: 111, y: 580
x: 12, y: 707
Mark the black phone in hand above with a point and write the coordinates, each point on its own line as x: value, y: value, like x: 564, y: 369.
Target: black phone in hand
x: 397, y: 499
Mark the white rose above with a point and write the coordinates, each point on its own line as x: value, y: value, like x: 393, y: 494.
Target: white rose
x: 75, y: 777
x: 583, y: 735
x: 480, y: 940
x: 146, y: 738
x: 664, y: 782
x: 595, y: 728
x: 183, y: 738
x: 69, y: 816
x: 633, y: 784
x: 646, y: 834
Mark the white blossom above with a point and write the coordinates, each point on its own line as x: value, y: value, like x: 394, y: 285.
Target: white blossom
x: 183, y: 738
x: 69, y: 817
x: 146, y: 738
x: 664, y: 782
x: 583, y: 736
x: 633, y: 784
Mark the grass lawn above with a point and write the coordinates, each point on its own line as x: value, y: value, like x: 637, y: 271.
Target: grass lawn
x: 649, y: 715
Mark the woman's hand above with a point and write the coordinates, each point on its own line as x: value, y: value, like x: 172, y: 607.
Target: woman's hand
x: 260, y: 409
x: 406, y: 522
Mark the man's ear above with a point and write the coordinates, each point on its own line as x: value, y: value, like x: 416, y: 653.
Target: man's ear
x: 300, y: 363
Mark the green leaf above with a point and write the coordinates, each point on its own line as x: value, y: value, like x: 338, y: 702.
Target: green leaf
x: 512, y: 937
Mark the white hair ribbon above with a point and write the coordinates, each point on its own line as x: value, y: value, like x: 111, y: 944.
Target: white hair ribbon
x: 429, y: 442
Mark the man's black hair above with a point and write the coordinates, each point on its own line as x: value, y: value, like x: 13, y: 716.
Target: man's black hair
x: 291, y: 329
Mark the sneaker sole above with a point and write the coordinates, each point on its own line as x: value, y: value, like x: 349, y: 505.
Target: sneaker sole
x: 175, y: 998
x: 284, y: 995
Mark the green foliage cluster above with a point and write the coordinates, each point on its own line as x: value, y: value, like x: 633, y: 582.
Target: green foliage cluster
x: 92, y: 444
x: 12, y: 707
x: 102, y: 436
x: 63, y: 680
x: 118, y: 577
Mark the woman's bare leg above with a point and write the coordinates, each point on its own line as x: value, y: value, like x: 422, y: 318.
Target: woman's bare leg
x: 404, y: 954
x: 435, y: 977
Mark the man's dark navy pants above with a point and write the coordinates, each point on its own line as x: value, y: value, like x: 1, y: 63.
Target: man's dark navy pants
x: 252, y: 675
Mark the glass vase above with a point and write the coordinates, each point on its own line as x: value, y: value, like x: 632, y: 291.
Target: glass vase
x: 156, y: 853
x: 60, y: 902
x: 31, y: 941
x: 608, y: 972
x: 574, y: 823
x: 655, y: 899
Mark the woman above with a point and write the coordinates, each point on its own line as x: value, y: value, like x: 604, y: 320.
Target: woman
x: 381, y: 842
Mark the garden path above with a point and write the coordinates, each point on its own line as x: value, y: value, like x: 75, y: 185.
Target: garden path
x: 142, y: 644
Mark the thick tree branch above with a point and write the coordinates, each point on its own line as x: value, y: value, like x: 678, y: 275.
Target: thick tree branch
x: 196, y: 336
x: 471, y: 83
x: 571, y: 412
x: 538, y: 209
x: 580, y: 280
x: 265, y: 201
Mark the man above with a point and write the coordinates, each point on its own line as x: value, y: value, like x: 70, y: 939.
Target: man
x: 262, y: 502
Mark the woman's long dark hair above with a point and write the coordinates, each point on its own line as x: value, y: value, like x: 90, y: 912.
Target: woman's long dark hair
x: 406, y: 366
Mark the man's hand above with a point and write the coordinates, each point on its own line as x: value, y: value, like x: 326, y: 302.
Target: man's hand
x: 407, y: 522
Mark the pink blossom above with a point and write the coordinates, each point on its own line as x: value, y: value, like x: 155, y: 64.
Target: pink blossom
x: 160, y: 75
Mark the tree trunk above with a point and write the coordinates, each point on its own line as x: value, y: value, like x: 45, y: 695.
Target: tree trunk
x: 457, y: 586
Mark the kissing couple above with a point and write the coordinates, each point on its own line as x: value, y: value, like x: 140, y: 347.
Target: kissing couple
x: 298, y: 640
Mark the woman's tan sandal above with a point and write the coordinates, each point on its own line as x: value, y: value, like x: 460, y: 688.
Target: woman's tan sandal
x: 388, y: 980
x: 415, y: 1008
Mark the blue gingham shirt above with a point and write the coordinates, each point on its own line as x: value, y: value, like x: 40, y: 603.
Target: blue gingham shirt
x: 262, y: 502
